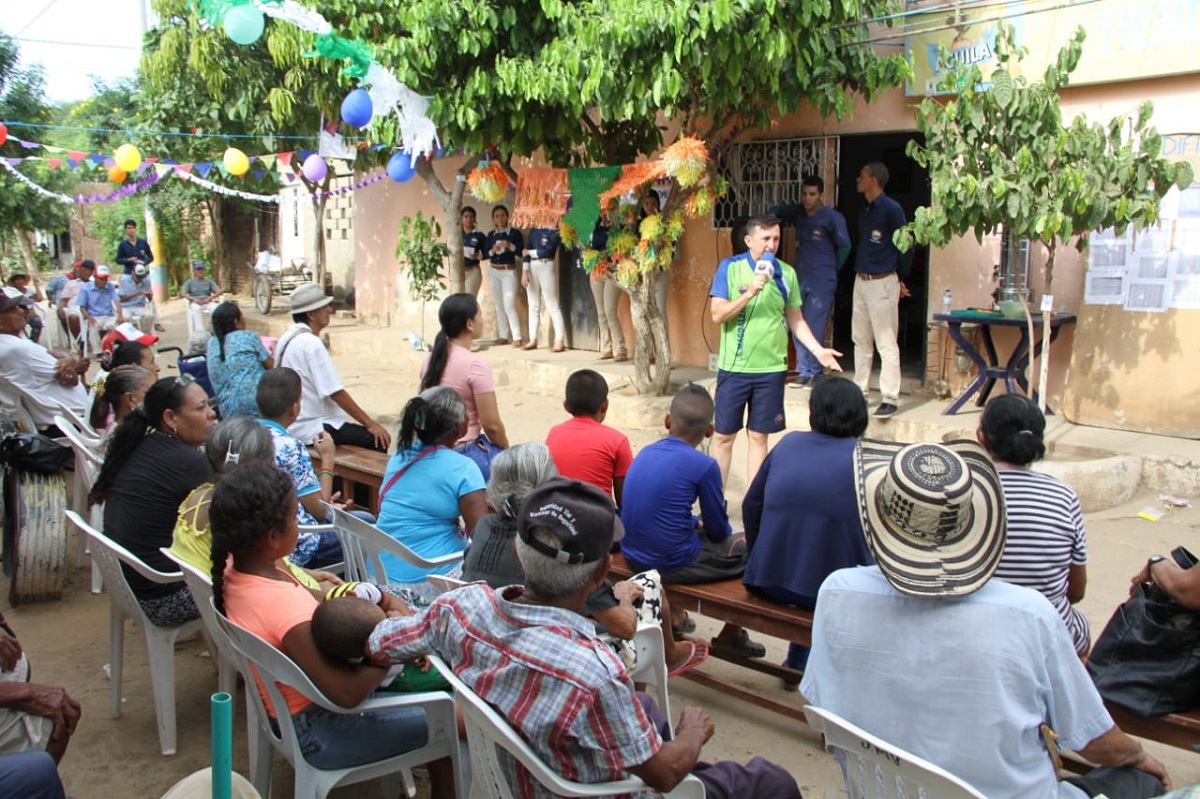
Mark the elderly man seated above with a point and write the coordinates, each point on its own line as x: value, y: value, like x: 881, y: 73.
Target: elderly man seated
x: 529, y: 653
x: 136, y: 293
x: 33, y: 717
x: 926, y: 651
x: 49, y: 378
x: 99, y: 307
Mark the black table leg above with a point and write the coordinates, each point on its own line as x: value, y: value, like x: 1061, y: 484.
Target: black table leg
x: 955, y: 330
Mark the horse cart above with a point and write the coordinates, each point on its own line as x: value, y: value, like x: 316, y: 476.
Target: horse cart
x: 273, y: 279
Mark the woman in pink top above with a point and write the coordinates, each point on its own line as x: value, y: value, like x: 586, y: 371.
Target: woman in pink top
x: 452, y: 364
x: 253, y: 517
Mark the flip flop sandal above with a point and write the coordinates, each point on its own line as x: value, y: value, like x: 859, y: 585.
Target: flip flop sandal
x: 688, y: 625
x: 743, y: 647
x: 697, y: 655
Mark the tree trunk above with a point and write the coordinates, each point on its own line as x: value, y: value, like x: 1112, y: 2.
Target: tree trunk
x: 451, y: 202
x: 650, y: 332
x: 1047, y: 312
x: 319, y: 235
x: 31, y: 264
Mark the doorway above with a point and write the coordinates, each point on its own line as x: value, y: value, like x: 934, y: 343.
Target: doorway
x: 909, y: 186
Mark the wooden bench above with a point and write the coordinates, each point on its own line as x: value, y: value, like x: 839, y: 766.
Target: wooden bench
x: 729, y: 601
x: 1181, y: 730
x: 359, y: 466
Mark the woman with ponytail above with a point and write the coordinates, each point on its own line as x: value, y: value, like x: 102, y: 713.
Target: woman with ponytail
x: 153, y: 463
x: 452, y: 364
x: 253, y: 526
x: 427, y: 487
x: 1046, y: 547
x: 118, y: 393
x: 236, y: 360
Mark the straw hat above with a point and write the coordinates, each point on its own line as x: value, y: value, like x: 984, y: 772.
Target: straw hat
x: 933, y: 514
x: 308, y: 297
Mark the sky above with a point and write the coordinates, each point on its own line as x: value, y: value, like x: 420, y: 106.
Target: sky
x: 75, y: 39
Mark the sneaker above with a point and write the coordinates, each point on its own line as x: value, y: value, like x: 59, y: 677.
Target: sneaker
x: 801, y: 381
x: 886, y: 410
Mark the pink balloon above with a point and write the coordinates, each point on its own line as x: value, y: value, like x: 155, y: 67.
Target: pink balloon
x: 315, y: 168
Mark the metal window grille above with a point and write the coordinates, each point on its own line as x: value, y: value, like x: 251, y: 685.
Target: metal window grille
x: 766, y: 173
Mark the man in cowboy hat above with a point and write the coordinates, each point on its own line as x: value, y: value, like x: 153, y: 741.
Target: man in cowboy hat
x: 927, y: 652
x: 325, y: 404
x: 529, y: 653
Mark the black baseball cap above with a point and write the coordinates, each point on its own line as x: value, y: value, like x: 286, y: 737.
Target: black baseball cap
x: 580, y: 515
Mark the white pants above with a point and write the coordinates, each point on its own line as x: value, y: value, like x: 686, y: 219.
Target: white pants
x: 874, y: 324
x: 473, y: 276
x: 144, y: 317
x: 543, y: 284
x: 97, y: 328
x: 607, y: 296
x: 199, y: 322
x: 503, y: 285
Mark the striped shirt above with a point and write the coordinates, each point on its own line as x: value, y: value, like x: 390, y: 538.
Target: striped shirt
x: 543, y: 669
x: 1045, y: 539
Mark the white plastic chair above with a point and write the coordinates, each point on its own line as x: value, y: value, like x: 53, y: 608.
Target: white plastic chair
x: 95, y: 438
x: 875, y: 769
x: 488, y: 731
x: 443, y: 583
x: 12, y: 406
x: 258, y: 659
x: 200, y: 584
x: 159, y: 640
x: 362, y: 544
x: 88, y: 461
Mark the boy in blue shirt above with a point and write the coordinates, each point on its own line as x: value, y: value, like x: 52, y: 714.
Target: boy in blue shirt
x: 665, y: 480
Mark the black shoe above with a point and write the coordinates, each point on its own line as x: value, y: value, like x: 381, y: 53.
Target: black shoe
x: 886, y: 411
x: 801, y: 381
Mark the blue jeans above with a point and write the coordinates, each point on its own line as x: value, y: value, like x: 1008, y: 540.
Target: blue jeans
x: 817, y: 294
x: 29, y: 775
x: 342, y: 740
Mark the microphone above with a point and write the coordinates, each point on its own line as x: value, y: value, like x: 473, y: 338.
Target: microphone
x: 765, y: 267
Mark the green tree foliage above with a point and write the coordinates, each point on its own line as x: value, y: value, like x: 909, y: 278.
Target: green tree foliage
x: 23, y: 210
x: 1000, y: 156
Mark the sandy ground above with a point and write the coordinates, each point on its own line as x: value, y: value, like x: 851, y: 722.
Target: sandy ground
x: 68, y: 641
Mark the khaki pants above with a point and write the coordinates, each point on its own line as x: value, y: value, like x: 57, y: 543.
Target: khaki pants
x: 473, y: 276
x: 607, y: 296
x: 874, y: 325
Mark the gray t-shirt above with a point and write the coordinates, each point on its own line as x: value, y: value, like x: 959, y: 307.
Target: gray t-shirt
x: 200, y: 288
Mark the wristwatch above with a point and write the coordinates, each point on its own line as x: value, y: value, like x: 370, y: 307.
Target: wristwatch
x: 1150, y: 565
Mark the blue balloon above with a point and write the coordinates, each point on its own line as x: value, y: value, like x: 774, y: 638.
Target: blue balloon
x: 401, y: 167
x: 357, y: 109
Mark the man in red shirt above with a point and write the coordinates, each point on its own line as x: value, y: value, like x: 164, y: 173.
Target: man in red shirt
x: 582, y: 447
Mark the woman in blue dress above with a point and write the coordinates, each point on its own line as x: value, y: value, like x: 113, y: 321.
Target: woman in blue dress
x: 236, y: 362
x: 801, y: 512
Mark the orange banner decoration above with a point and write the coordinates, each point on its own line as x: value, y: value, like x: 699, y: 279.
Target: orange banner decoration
x: 541, y: 198
x: 633, y: 177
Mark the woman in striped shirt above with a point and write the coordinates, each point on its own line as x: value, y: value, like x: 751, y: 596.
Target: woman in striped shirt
x: 1046, y: 547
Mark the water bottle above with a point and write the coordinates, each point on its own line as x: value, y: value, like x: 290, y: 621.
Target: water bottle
x: 947, y: 301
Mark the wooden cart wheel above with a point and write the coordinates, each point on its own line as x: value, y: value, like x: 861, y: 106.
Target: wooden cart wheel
x: 35, y: 536
x: 262, y: 294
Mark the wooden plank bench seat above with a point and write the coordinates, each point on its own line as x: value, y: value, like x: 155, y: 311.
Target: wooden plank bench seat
x: 729, y: 601
x: 360, y: 466
x: 1181, y: 730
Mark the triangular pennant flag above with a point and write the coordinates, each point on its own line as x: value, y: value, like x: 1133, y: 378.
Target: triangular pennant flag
x: 268, y: 161
x: 258, y: 174
x: 14, y: 161
x: 142, y: 167
x: 28, y: 145
x: 76, y: 155
x: 284, y: 161
x: 161, y: 169
x: 204, y: 167
x: 221, y: 168
x: 54, y: 163
x: 291, y: 177
x: 185, y: 168
x: 170, y: 161
x: 304, y: 154
x: 151, y: 160
x: 96, y: 158
x: 72, y: 163
x: 52, y: 149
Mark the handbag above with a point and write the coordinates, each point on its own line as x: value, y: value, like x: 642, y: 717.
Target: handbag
x: 33, y: 452
x: 481, y: 451
x: 1147, y: 659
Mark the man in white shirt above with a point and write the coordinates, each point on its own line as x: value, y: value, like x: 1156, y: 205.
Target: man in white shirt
x: 325, y: 404
x: 929, y: 653
x: 48, y: 379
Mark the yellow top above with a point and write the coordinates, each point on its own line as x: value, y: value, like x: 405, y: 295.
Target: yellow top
x: 192, y: 539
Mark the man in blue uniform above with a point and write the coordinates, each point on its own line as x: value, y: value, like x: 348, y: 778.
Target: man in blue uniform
x: 133, y: 251
x: 880, y: 270
x: 822, y: 247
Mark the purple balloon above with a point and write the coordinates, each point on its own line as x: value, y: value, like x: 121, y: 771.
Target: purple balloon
x: 357, y: 109
x: 315, y: 168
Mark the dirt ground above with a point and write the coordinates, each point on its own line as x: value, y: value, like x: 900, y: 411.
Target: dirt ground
x: 68, y: 641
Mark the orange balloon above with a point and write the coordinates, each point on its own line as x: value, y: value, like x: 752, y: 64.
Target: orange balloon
x: 116, y: 174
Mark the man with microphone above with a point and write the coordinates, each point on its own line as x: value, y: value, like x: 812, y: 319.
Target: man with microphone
x: 756, y: 301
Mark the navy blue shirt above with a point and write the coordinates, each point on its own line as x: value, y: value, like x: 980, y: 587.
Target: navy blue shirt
x: 544, y: 242
x: 875, y: 254
x: 137, y: 249
x: 476, y: 239
x: 818, y: 238
x: 508, y: 257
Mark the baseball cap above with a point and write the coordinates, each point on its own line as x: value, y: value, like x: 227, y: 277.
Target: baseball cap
x: 581, y: 517
x: 102, y: 271
x: 13, y: 298
x: 198, y: 265
x: 139, y: 270
x: 127, y: 332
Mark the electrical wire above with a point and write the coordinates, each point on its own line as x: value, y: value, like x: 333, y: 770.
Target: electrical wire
x: 77, y: 44
x: 36, y: 17
x: 185, y: 134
